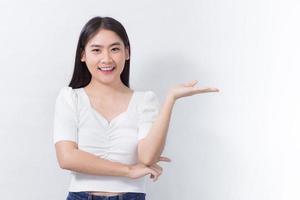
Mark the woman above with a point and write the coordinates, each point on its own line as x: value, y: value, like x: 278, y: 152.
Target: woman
x: 108, y: 135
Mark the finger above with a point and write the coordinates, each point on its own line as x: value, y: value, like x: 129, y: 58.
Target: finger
x: 156, y: 178
x: 153, y: 173
x: 166, y: 159
x: 159, y: 172
x: 190, y: 83
x: 206, y: 89
x: 157, y: 168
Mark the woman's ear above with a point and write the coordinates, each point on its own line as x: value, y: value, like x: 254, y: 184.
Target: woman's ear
x: 127, y: 53
x: 82, y: 56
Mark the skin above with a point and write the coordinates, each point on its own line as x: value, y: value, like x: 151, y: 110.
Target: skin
x: 112, y: 53
x: 104, y: 92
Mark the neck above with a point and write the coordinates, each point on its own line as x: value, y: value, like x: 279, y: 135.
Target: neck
x: 96, y: 88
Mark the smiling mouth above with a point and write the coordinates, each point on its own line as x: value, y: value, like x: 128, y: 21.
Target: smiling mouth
x: 106, y: 69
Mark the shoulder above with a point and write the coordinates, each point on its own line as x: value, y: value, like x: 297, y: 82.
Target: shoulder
x: 150, y: 95
x: 67, y: 94
x: 146, y: 95
x: 148, y: 98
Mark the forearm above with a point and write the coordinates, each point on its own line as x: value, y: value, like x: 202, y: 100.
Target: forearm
x: 151, y: 147
x: 84, y: 162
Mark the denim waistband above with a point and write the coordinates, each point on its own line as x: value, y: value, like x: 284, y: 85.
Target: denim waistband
x: 88, y: 196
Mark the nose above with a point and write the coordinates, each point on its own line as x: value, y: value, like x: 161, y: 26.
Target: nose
x: 106, y: 58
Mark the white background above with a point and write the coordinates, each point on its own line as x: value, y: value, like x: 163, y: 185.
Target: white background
x: 240, y: 144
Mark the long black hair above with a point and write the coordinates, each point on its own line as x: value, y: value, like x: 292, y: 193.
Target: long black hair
x: 81, y: 75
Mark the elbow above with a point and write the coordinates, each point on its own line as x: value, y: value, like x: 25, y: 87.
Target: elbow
x: 146, y: 160
x: 65, y: 151
x: 63, y: 164
x: 64, y: 161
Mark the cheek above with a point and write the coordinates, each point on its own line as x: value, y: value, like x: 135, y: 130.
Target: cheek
x: 120, y: 58
x: 91, y: 60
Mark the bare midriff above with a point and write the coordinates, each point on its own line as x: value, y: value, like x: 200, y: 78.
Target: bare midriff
x: 106, y: 193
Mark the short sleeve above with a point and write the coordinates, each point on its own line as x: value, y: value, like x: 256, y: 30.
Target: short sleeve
x: 65, y: 116
x: 148, y: 111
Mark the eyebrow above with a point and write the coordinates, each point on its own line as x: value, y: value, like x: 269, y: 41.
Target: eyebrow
x: 98, y: 45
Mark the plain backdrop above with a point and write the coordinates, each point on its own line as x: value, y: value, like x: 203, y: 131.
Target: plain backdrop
x: 242, y: 143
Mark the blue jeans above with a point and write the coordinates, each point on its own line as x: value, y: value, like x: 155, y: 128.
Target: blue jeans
x: 89, y: 196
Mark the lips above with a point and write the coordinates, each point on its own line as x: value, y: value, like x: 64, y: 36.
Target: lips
x: 106, y: 68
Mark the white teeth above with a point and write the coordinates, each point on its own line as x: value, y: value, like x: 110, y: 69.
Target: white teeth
x: 105, y: 68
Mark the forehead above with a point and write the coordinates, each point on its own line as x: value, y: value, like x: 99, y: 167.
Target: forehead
x: 104, y: 38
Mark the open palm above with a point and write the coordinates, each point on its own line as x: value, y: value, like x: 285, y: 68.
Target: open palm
x: 189, y: 89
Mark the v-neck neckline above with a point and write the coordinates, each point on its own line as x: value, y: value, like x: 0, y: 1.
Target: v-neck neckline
x: 101, y: 116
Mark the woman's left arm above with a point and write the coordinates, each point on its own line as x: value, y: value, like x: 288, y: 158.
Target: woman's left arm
x: 151, y: 147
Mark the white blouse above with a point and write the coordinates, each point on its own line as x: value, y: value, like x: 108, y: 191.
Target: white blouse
x: 76, y: 120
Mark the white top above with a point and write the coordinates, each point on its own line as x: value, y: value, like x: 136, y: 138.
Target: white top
x: 76, y: 120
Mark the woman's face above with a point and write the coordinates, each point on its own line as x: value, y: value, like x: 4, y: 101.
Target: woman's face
x: 105, y: 49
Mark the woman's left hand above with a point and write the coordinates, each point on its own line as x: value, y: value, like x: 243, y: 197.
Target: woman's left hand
x: 189, y: 89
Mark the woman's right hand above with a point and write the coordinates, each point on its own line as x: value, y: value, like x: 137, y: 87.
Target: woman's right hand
x: 139, y: 170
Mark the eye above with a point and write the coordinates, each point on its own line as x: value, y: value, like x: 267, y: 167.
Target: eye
x: 96, y: 50
x: 115, y: 49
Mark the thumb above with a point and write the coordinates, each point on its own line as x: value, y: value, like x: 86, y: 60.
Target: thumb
x: 152, y: 172
x: 162, y: 158
x: 190, y: 83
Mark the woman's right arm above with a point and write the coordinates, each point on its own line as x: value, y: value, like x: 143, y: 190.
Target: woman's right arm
x: 71, y: 158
